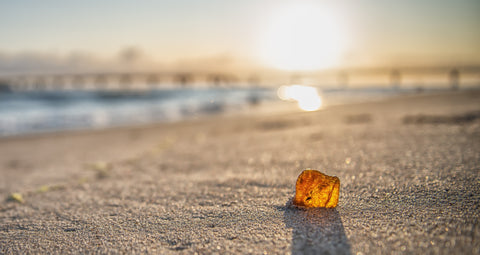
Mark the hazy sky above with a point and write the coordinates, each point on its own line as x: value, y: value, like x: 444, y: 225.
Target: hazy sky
x: 374, y: 32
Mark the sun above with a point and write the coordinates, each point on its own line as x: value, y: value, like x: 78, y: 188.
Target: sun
x: 302, y: 36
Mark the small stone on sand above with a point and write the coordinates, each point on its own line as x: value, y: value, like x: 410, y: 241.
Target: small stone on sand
x: 315, y: 189
x: 15, y: 197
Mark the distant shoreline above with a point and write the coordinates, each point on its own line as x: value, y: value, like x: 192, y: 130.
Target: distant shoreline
x: 263, y: 109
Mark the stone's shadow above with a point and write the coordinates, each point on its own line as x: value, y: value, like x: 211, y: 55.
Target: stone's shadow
x: 316, y: 230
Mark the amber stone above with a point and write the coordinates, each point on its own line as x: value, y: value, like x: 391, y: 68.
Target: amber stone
x: 315, y: 189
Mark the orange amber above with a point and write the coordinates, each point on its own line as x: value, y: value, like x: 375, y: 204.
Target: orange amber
x: 315, y: 189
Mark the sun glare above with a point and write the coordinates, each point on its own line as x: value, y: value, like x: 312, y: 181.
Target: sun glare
x: 307, y: 97
x: 302, y: 36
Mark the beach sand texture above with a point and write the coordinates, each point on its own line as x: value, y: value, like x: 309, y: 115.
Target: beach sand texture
x: 409, y: 172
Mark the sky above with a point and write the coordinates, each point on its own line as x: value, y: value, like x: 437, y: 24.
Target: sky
x: 282, y: 34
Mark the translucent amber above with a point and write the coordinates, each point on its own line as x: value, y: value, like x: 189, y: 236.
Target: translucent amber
x: 315, y: 189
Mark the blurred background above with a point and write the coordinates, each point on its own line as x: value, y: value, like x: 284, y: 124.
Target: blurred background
x: 93, y: 64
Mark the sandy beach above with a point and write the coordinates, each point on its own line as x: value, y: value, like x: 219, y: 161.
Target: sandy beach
x: 408, y: 166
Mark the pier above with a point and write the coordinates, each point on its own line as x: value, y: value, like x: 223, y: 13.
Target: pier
x: 342, y: 78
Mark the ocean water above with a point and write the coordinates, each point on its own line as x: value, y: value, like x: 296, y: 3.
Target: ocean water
x: 26, y: 112
x: 29, y: 112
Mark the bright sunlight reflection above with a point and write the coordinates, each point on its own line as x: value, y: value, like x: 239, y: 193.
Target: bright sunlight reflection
x: 307, y: 97
x: 303, y: 35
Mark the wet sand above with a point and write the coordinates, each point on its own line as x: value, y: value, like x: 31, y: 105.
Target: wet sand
x: 409, y: 172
